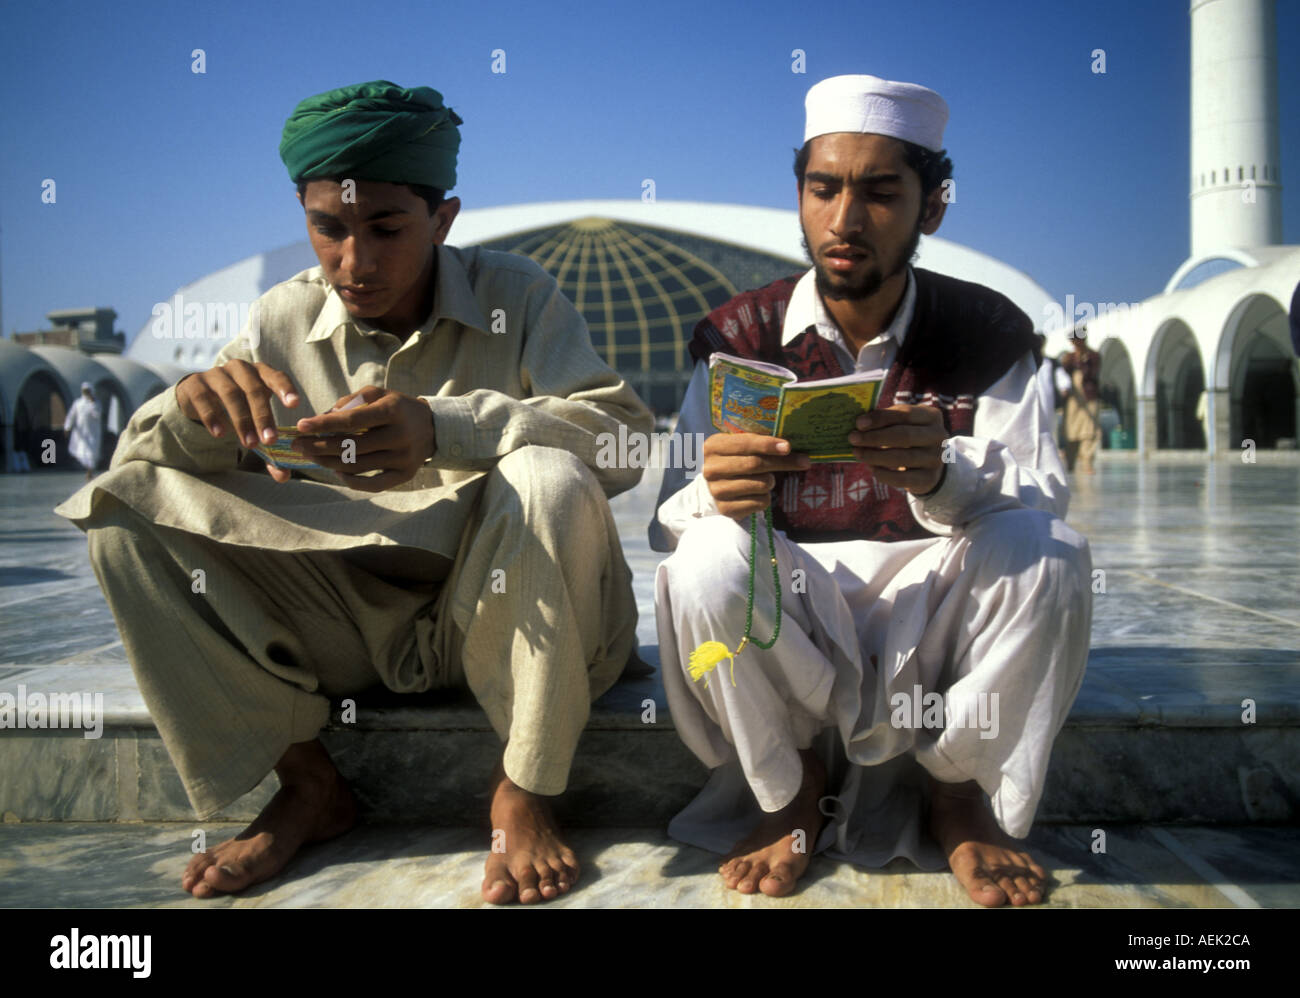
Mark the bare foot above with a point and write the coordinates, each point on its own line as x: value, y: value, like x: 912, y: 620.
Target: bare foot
x: 984, y: 859
x: 528, y: 861
x: 768, y: 860
x: 312, y: 804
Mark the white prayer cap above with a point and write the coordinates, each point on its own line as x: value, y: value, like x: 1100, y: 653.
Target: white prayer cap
x: 869, y: 104
x: 86, y: 386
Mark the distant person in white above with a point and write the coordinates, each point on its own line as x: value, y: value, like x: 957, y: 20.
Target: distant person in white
x: 84, y: 429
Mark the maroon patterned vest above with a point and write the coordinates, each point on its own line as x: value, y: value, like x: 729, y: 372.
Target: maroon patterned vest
x: 962, y: 339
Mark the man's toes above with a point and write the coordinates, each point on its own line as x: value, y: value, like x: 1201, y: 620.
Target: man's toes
x: 983, y: 890
x: 498, y: 885
x: 194, y: 872
x: 779, y: 882
x: 1030, y: 889
x: 734, y: 871
x: 565, y: 876
x: 527, y: 879
x: 1014, y: 894
x: 546, y: 880
x: 228, y: 876
x: 749, y: 883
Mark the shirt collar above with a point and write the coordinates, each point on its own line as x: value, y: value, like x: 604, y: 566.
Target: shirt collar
x: 806, y: 309
x: 453, y: 298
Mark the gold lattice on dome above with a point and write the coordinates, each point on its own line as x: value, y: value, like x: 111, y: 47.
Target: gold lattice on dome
x: 592, y: 224
x: 640, y: 293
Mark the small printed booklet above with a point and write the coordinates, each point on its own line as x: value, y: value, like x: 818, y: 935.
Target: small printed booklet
x: 281, y: 453
x: 750, y: 396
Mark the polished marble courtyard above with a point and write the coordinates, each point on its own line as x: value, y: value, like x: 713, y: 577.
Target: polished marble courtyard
x: 1199, y: 614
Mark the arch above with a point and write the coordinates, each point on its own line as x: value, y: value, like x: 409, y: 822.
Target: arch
x: 114, y: 401
x: 140, y: 382
x: 39, y: 412
x: 1175, y: 376
x: 1203, y: 266
x: 1118, y: 386
x: 1255, y: 373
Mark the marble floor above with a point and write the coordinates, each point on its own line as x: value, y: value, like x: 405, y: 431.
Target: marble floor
x: 1195, y: 556
x: 405, y: 866
x: 1200, y: 564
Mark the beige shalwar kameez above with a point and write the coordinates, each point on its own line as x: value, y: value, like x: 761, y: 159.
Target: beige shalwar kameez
x: 498, y: 566
x: 1082, y: 427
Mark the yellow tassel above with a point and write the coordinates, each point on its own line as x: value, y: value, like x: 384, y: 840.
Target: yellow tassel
x: 706, y: 657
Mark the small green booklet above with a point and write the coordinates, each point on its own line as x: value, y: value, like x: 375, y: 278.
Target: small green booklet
x: 751, y: 396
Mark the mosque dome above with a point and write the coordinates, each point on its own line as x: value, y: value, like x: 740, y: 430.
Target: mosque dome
x: 642, y: 273
x: 642, y: 290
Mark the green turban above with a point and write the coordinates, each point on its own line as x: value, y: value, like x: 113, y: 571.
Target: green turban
x: 373, y: 131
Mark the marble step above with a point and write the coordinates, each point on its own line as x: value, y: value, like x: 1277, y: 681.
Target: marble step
x: 1157, y: 735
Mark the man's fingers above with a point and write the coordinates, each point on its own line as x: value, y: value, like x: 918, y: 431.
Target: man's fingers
x: 279, y: 474
x: 360, y: 417
x: 385, y: 438
x: 719, y: 467
x: 203, y: 397
x: 916, y: 415
x: 280, y: 383
x: 745, y: 443
x: 739, y: 489
x: 899, y: 435
x: 250, y: 406
x: 236, y: 396
x: 365, y: 394
x: 742, y: 510
x: 741, y: 470
x: 895, y: 458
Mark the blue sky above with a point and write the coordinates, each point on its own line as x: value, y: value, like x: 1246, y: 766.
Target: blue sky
x: 164, y: 175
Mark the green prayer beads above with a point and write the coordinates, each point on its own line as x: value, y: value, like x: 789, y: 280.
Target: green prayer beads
x: 776, y: 584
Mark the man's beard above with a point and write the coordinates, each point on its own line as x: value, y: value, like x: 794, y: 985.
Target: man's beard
x: 871, y: 281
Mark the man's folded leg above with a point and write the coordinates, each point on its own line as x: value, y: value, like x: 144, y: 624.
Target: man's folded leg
x: 782, y: 697
x: 538, y: 616
x: 1006, y: 646
x: 236, y: 649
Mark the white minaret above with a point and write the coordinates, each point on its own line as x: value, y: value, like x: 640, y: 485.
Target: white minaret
x: 1234, y: 126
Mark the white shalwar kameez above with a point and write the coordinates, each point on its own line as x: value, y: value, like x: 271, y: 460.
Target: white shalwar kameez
x: 83, y: 423
x: 999, y: 604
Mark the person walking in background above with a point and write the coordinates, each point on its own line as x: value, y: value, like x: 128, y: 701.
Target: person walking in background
x: 1083, y: 404
x: 84, y: 428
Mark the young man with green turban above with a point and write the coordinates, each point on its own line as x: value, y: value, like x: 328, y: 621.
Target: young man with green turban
x: 456, y: 533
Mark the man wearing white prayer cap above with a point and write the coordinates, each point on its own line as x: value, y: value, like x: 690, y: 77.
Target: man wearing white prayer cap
x: 935, y: 609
